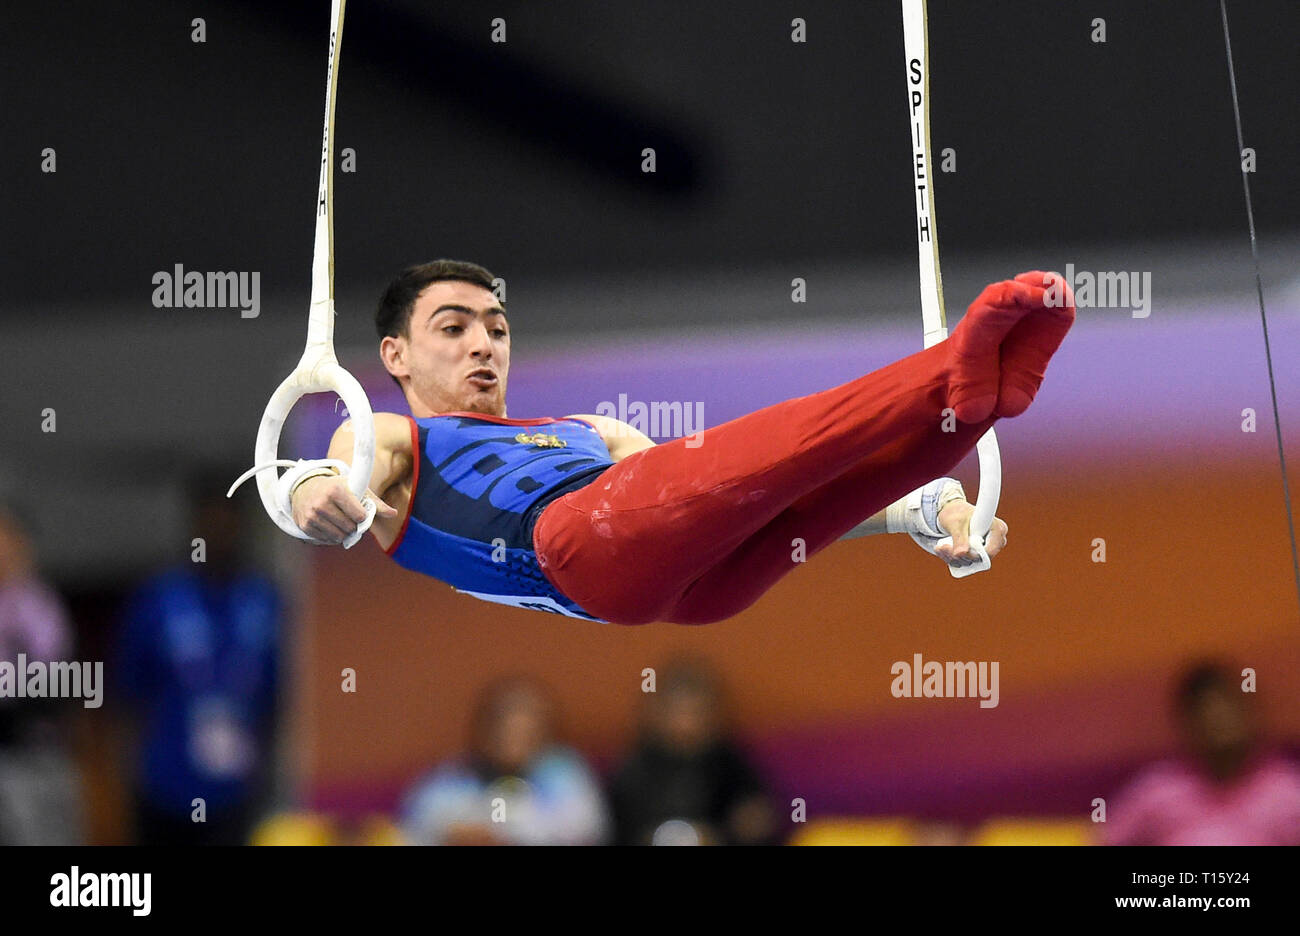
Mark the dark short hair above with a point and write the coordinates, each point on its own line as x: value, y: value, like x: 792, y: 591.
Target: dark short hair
x: 393, y: 315
x: 1202, y: 679
x: 501, y: 695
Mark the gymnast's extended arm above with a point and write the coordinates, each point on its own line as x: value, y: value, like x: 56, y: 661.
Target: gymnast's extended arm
x: 323, y: 502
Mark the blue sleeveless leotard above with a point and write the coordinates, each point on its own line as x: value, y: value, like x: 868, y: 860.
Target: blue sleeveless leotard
x: 479, y: 484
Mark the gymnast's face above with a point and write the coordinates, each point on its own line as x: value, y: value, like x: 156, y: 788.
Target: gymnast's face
x: 456, y: 353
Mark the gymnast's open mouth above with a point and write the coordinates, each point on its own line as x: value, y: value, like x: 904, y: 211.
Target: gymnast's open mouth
x: 482, y: 378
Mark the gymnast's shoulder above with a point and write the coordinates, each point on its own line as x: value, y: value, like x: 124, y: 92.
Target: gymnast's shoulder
x: 392, y: 433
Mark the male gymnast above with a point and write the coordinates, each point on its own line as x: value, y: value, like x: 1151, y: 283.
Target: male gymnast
x: 586, y: 516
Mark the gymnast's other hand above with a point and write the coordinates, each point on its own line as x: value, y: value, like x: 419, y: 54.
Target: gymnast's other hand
x: 954, y: 519
x: 324, y: 508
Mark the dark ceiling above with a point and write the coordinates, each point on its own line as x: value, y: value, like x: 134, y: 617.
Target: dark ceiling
x: 525, y: 156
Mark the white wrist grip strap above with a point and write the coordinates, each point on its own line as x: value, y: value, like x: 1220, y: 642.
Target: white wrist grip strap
x: 298, y: 472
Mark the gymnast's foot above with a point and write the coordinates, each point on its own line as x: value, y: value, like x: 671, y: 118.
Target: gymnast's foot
x: 1000, y: 349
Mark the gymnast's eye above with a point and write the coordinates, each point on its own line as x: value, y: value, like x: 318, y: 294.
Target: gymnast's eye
x: 499, y: 332
x: 456, y: 328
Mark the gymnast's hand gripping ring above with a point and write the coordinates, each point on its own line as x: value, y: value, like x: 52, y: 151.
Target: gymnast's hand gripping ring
x: 986, y: 505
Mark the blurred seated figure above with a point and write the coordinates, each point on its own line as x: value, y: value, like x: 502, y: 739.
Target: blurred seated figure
x: 1229, y: 790
x: 685, y: 783
x: 515, y: 785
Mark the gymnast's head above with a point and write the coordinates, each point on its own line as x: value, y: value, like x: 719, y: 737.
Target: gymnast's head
x: 444, y: 339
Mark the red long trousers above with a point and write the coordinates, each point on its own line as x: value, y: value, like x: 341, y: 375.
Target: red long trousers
x: 693, y: 535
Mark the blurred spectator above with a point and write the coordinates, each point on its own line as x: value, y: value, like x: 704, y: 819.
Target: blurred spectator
x: 39, y: 796
x: 684, y: 782
x: 198, y: 657
x: 1228, y: 791
x: 515, y: 786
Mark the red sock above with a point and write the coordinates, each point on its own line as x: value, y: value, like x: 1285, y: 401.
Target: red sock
x: 1032, y: 342
x: 975, y: 346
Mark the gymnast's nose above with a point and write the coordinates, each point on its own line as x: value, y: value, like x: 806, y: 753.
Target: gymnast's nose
x: 480, y: 343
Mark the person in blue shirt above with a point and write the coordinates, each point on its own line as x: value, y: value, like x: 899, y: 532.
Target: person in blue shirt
x: 197, y: 659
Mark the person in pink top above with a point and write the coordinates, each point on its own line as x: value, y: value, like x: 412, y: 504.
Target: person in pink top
x: 39, y: 795
x: 1228, y: 790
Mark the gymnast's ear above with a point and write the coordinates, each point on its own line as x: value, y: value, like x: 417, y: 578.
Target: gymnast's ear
x: 392, y: 351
